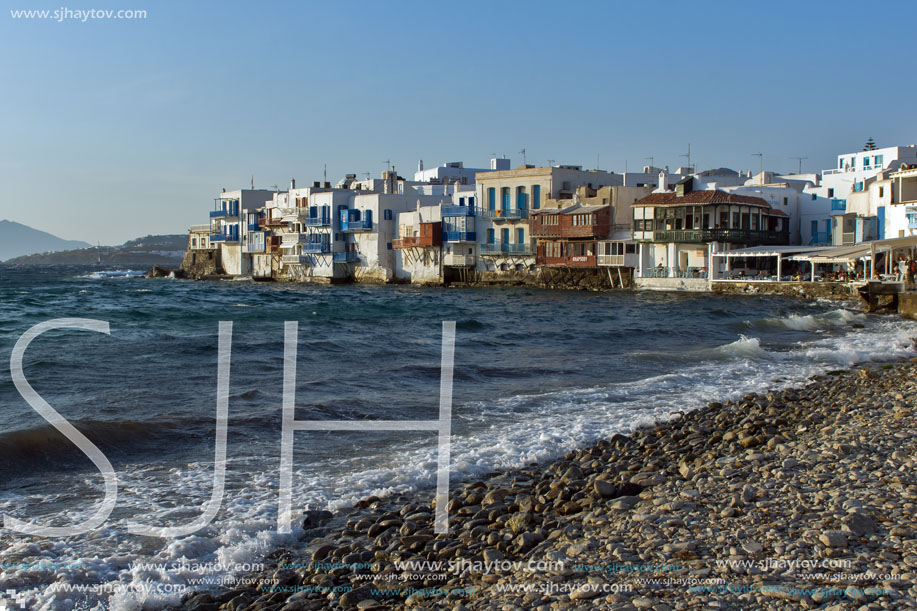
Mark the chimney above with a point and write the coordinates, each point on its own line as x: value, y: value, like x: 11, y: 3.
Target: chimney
x: 316, y: 184
x: 292, y: 184
x: 327, y: 185
x: 420, y: 166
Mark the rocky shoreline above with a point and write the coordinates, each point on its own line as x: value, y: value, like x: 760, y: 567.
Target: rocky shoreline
x: 805, y: 497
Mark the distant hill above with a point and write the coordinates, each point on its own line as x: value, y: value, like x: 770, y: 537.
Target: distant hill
x: 17, y: 239
x: 166, y: 250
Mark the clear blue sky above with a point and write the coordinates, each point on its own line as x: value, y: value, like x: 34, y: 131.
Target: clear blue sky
x: 115, y: 129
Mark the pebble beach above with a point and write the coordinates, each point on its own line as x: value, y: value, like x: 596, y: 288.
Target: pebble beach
x: 803, y: 498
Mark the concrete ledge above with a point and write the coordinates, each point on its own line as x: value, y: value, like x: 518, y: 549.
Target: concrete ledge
x: 693, y: 285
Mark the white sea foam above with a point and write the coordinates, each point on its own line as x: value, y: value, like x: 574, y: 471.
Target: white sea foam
x: 503, y: 433
x: 812, y: 322
x: 119, y: 273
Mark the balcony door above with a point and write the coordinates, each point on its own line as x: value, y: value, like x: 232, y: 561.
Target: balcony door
x: 505, y: 236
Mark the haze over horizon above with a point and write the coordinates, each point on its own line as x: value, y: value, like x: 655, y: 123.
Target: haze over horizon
x: 121, y: 128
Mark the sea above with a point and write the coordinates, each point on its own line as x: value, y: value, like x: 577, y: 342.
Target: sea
x: 536, y: 373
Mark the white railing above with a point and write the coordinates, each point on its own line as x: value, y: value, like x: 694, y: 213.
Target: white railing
x: 294, y: 260
x: 292, y: 239
x: 200, y: 228
x: 458, y: 260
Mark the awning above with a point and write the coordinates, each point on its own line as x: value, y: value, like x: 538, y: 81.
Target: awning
x: 771, y: 251
x: 844, y: 254
x: 895, y: 243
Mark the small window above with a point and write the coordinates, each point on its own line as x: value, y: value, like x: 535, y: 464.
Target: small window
x: 786, y: 201
x: 830, y: 192
x: 881, y: 191
x: 389, y: 245
x: 387, y: 215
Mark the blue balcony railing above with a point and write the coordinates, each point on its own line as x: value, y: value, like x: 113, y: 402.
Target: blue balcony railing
x: 360, y: 225
x: 345, y: 257
x: 460, y: 236
x: 318, y: 221
x: 222, y: 237
x: 838, y: 205
x: 217, y: 214
x: 509, y: 214
x: 508, y: 249
x: 254, y: 227
x: 911, y: 213
x: 458, y: 210
x: 316, y: 248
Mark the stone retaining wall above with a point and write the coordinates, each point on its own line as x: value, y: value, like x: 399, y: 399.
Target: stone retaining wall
x: 199, y: 264
x: 806, y: 290
x: 907, y: 304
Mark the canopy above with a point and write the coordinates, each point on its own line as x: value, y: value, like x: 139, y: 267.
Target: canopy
x: 844, y: 254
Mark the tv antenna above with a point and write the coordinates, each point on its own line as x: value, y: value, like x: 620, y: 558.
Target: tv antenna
x: 522, y: 152
x: 688, y: 155
x: 799, y: 159
x: 388, y: 165
x: 550, y: 162
x: 651, y: 159
x: 760, y: 157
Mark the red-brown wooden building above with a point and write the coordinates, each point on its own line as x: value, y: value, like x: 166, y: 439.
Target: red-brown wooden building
x: 566, y: 237
x: 430, y: 234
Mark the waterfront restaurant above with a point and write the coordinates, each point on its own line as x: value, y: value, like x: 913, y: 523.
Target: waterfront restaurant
x: 677, y: 231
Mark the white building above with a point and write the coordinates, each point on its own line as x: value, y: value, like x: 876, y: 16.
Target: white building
x: 455, y: 171
x: 851, y: 175
x: 460, y: 235
x: 417, y: 251
x: 228, y: 231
